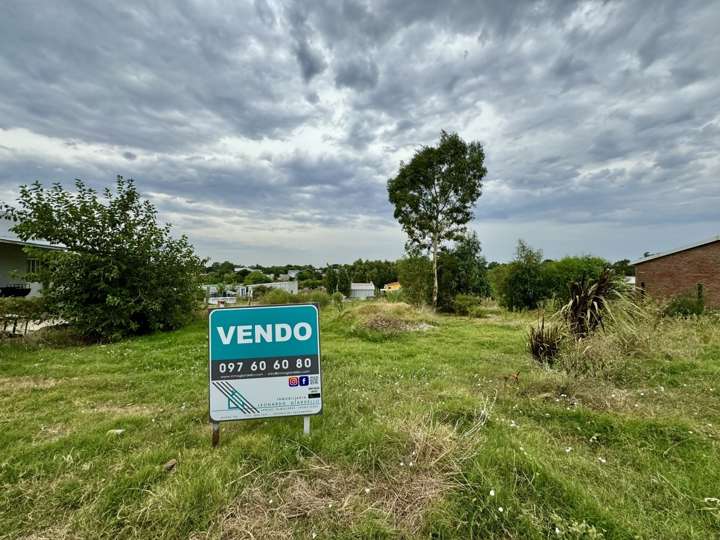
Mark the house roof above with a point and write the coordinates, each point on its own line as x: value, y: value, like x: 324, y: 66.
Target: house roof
x: 361, y: 286
x: 14, y: 242
x: 678, y: 250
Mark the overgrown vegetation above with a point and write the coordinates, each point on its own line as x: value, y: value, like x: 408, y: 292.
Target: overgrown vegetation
x: 445, y: 433
x: 121, y: 274
x: 544, y: 342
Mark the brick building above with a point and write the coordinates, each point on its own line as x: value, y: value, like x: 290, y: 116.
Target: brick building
x: 682, y: 272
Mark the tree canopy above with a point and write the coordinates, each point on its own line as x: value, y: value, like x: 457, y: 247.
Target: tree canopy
x: 122, y: 273
x: 435, y: 192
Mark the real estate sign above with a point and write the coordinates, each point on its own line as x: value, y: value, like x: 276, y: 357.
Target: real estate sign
x: 264, y: 362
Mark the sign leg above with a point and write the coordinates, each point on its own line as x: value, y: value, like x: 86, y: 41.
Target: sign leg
x: 306, y: 425
x: 215, y: 434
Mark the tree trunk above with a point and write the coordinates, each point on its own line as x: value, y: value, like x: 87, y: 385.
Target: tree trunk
x: 435, y: 274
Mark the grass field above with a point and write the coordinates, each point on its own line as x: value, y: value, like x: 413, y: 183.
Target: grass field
x: 447, y: 432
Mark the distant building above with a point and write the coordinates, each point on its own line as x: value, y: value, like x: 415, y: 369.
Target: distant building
x: 689, y: 270
x: 390, y: 287
x: 14, y: 263
x: 362, y: 290
x: 289, y: 286
x: 283, y: 277
x: 292, y: 274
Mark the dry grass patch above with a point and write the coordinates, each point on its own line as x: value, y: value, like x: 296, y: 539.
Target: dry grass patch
x: 16, y: 384
x: 388, y: 318
x: 321, y: 493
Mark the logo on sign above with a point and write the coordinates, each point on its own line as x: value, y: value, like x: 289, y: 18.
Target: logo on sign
x: 304, y: 380
x: 293, y: 381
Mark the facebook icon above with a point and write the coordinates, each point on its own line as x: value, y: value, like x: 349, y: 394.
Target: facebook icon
x: 304, y: 380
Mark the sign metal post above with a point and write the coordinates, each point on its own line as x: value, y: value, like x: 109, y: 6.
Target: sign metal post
x: 264, y: 361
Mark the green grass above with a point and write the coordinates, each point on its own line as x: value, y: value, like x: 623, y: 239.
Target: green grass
x: 418, y: 429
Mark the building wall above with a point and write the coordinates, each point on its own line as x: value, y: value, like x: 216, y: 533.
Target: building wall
x: 12, y: 258
x: 680, y: 273
x: 362, y: 293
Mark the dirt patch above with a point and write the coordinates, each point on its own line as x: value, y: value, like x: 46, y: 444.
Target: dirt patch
x: 26, y: 383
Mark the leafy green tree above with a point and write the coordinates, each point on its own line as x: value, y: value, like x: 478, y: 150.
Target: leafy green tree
x: 559, y: 275
x: 331, y: 280
x: 523, y: 285
x: 435, y: 192
x: 472, y: 267
x: 122, y: 273
x: 255, y: 277
x: 415, y: 273
x: 343, y: 281
x: 623, y: 268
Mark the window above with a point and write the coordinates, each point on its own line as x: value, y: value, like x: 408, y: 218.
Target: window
x: 33, y: 265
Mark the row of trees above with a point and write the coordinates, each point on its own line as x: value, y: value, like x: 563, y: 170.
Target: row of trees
x: 339, y: 276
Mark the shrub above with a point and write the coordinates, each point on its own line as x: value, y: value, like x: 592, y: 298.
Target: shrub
x: 587, y: 306
x: 467, y: 304
x: 277, y: 296
x: 685, y: 306
x: 122, y: 273
x: 544, y: 342
x: 338, y: 300
x: 319, y: 297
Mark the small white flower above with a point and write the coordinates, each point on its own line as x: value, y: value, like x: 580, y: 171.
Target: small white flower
x: 602, y: 460
x: 568, y: 449
x: 501, y: 509
x: 557, y: 531
x: 492, y: 492
x: 367, y: 490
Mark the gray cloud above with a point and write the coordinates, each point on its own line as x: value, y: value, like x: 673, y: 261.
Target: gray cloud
x: 292, y: 115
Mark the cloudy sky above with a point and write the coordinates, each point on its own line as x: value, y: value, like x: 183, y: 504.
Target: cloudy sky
x: 266, y: 131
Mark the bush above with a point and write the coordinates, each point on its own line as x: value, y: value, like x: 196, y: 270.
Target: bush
x: 685, y: 306
x: 586, y: 309
x: 544, y: 342
x: 467, y: 304
x: 122, y: 274
x: 319, y: 297
x: 277, y: 296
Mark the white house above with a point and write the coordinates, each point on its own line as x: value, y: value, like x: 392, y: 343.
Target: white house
x: 292, y: 274
x: 362, y: 290
x: 14, y: 262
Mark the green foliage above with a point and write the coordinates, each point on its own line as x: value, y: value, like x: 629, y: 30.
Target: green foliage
x: 521, y: 285
x: 122, y: 273
x: 467, y: 304
x: 528, y: 281
x: 685, y: 305
x: 337, y: 300
x: 416, y: 278
x: 331, y: 280
x: 343, y: 281
x: 377, y: 272
x: 461, y: 270
x: 276, y: 296
x: 434, y: 194
x: 280, y: 296
x: 544, y: 342
x: 256, y: 277
x: 588, y: 303
x: 559, y: 275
